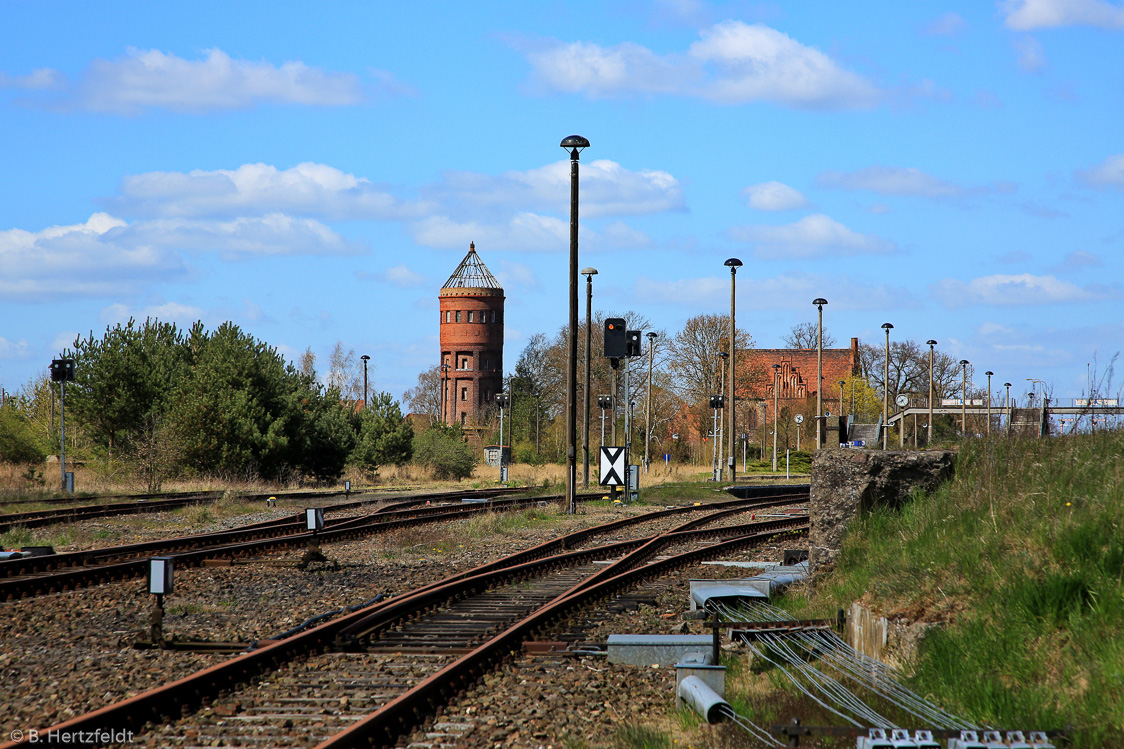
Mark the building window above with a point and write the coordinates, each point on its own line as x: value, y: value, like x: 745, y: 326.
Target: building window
x: 464, y: 416
x: 458, y: 315
x: 464, y: 394
x: 470, y: 316
x: 484, y: 364
x: 493, y: 315
x: 447, y: 315
x: 487, y: 395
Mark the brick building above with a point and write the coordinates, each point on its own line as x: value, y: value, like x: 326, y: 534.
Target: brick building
x: 471, y: 324
x: 796, y: 376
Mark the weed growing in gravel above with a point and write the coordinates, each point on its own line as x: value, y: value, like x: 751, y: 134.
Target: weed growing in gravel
x: 636, y: 736
x: 16, y: 537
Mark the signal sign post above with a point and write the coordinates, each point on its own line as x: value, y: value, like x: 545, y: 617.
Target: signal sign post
x: 614, y: 465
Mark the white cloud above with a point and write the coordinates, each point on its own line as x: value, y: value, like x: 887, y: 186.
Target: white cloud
x: 403, y: 277
x: 789, y: 291
x: 107, y: 256
x: 1026, y: 15
x: 40, y: 79
x: 307, y: 188
x: 891, y: 180
x: 1032, y: 58
x: 1077, y: 260
x: 272, y: 234
x: 98, y: 257
x: 811, y: 236
x: 774, y: 196
x: 607, y: 189
x: 525, y: 232
x: 1109, y: 173
x: 173, y: 312
x: 1020, y: 289
x: 511, y: 274
x: 151, y: 79
x: 732, y: 63
x: 14, y: 349
x: 947, y: 24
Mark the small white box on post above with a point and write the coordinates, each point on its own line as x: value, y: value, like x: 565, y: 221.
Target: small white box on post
x: 347, y: 487
x: 160, y: 575
x: 314, y: 519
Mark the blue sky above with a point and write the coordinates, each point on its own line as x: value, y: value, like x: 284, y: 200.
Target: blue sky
x: 314, y: 172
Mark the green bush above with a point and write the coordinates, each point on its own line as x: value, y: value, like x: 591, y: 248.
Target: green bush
x: 17, y: 442
x: 443, y: 450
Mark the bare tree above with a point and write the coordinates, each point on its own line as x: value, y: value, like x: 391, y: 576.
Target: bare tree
x: 425, y: 397
x: 909, y: 369
x: 344, y: 373
x: 803, y: 335
x: 307, y: 363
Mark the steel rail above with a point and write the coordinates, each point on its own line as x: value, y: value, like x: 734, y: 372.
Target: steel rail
x: 387, y: 725
x: 160, y: 703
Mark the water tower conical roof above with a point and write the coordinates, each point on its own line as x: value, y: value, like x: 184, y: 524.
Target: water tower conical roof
x: 472, y: 273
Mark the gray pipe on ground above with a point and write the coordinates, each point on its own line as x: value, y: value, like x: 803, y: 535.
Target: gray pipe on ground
x: 702, y: 699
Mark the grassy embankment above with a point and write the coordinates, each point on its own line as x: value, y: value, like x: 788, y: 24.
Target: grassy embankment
x: 1021, y: 560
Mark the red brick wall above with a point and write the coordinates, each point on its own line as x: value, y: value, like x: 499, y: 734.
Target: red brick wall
x: 796, y: 377
x: 473, y: 350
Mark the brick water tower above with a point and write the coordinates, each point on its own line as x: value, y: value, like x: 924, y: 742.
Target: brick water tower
x: 471, y: 341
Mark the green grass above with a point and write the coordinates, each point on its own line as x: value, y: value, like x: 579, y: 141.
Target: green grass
x: 1021, y: 558
x: 636, y: 736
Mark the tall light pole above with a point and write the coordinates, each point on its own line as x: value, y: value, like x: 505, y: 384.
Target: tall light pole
x: 776, y: 413
x: 931, y: 343
x: 820, y: 302
x: 574, y: 144
x: 444, y: 392
x: 989, y: 373
x: 1042, y: 420
x: 841, y: 384
x: 1007, y: 407
x: 648, y: 408
x: 886, y: 389
x: 964, y: 397
x: 589, y: 273
x: 365, y: 359
x: 720, y: 428
x: 733, y: 264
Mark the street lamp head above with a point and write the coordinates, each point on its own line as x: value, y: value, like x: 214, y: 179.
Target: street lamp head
x: 964, y: 362
x: 989, y: 373
x: 931, y: 342
x: 650, y: 334
x: 365, y: 358
x: 589, y: 273
x: 733, y: 264
x: 574, y: 144
x: 819, y: 301
x: 887, y: 326
x: 1006, y: 384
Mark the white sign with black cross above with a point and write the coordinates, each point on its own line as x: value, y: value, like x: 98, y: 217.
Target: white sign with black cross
x: 612, y: 464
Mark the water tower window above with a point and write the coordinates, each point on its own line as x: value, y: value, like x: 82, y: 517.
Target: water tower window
x: 470, y: 316
x: 493, y: 315
x: 458, y: 315
x: 447, y: 315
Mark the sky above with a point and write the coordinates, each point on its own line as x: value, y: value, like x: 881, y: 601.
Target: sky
x: 314, y: 172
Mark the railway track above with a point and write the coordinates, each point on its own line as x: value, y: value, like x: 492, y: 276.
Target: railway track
x: 368, y: 677
x: 150, y: 503
x: 44, y: 575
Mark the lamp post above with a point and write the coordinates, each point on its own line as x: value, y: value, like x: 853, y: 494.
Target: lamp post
x: 1007, y: 407
x: 820, y: 302
x: 841, y: 384
x: 503, y: 400
x: 929, y: 428
x: 574, y: 144
x: 776, y: 413
x: 365, y: 359
x: 648, y: 408
x: 733, y: 264
x: 989, y: 373
x: 964, y: 397
x: 444, y: 392
x: 1042, y: 420
x: 886, y: 389
x: 720, y: 429
x: 589, y: 273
